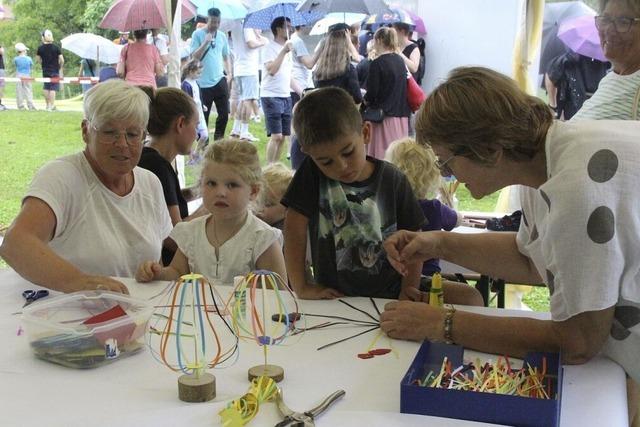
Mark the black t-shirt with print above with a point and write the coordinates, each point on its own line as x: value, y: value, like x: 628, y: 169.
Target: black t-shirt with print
x: 349, y: 222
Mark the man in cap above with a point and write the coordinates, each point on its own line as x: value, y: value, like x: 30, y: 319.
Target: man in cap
x: 50, y: 56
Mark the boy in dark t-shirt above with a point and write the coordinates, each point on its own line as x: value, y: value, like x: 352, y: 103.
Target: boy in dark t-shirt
x: 348, y: 202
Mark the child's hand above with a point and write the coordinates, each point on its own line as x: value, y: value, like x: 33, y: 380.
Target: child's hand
x: 148, y: 271
x: 413, y: 294
x: 315, y: 291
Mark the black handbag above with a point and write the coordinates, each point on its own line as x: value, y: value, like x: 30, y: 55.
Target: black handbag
x: 375, y: 115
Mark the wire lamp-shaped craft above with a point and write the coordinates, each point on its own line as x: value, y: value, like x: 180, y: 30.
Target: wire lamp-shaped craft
x: 191, y: 335
x: 255, y: 298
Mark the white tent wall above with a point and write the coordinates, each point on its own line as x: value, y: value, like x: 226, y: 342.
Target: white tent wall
x: 470, y: 32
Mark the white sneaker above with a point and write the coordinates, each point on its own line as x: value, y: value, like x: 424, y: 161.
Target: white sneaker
x: 248, y: 137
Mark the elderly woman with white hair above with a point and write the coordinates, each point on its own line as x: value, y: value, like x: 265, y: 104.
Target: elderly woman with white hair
x: 93, y: 214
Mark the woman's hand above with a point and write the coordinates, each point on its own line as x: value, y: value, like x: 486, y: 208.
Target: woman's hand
x: 148, y: 271
x: 99, y: 283
x: 406, y: 247
x: 414, y: 321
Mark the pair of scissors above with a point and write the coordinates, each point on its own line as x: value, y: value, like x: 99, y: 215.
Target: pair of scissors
x: 30, y: 295
x: 304, y: 419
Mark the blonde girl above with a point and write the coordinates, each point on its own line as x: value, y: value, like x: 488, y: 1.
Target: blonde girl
x: 418, y: 163
x: 276, y: 178
x: 231, y: 240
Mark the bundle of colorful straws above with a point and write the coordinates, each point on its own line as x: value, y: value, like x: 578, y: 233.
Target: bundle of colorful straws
x: 498, y: 378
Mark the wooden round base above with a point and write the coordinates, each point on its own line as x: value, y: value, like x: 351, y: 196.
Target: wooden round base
x: 274, y: 372
x: 192, y: 389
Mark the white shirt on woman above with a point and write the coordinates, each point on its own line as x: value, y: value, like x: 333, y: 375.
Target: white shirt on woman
x: 581, y: 228
x: 98, y: 231
x: 237, y: 256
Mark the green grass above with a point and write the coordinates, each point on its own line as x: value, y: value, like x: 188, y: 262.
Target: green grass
x: 27, y: 141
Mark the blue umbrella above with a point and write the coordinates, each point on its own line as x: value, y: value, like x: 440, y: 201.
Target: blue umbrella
x: 261, y: 16
x: 229, y: 9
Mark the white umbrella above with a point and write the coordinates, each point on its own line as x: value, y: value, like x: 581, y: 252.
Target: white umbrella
x: 92, y: 46
x: 322, y: 26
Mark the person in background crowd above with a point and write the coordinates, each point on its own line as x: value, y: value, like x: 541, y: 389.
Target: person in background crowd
x: 387, y: 90
x: 160, y: 42
x: 107, y: 72
x: 276, y: 87
x: 575, y: 78
x: 123, y: 38
x: 303, y: 62
x: 210, y: 46
x: 140, y: 62
x: 24, y: 92
x: 247, y: 44
x: 87, y: 69
x: 334, y: 68
x: 50, y: 56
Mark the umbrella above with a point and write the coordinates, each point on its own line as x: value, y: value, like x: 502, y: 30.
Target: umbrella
x: 392, y: 16
x: 554, y: 15
x: 262, y: 15
x: 92, y: 46
x: 581, y: 36
x: 367, y: 7
x: 322, y: 26
x: 229, y: 9
x: 131, y: 15
x: 418, y: 23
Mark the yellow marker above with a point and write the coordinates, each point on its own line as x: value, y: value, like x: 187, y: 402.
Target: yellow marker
x: 436, y: 295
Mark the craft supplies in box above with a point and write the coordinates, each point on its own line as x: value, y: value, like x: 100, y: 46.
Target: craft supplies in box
x: 424, y: 391
x: 86, y: 329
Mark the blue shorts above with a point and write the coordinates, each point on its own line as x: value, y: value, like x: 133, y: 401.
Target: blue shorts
x: 51, y: 86
x: 247, y: 87
x: 277, y: 114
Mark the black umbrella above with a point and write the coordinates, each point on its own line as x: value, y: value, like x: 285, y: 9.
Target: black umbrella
x: 554, y: 15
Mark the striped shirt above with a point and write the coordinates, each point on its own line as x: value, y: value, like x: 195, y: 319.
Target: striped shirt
x: 613, y: 100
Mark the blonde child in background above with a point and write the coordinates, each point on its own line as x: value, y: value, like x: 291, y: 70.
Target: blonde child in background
x: 276, y: 178
x: 418, y: 163
x: 191, y: 73
x: 231, y: 241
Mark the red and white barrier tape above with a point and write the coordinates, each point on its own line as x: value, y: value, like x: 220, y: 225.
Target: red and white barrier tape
x: 71, y: 80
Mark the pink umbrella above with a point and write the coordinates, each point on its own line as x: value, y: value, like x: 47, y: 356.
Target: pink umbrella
x: 581, y: 36
x: 417, y: 20
x: 131, y: 15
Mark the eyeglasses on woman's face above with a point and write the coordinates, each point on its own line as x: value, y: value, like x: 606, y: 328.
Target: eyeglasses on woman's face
x: 445, y: 170
x: 109, y: 136
x: 622, y: 24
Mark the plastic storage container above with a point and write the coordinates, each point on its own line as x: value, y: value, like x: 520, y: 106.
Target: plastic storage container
x: 86, y: 329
